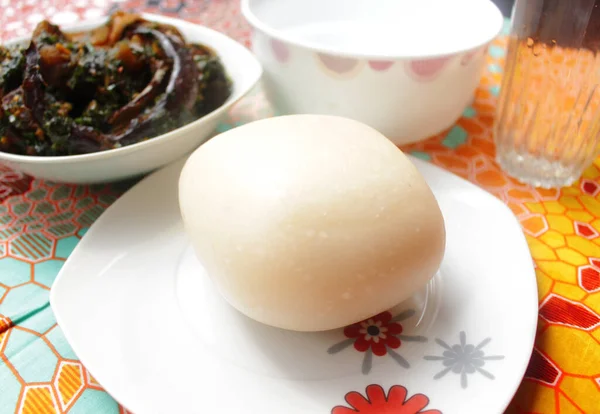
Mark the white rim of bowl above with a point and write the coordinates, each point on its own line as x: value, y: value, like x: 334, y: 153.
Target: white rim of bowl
x: 281, y: 36
x: 171, y: 135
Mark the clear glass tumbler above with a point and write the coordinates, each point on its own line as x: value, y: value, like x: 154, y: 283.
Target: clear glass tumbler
x: 548, y: 116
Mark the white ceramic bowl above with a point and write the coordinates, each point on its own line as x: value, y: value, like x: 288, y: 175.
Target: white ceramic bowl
x: 407, y: 68
x: 244, y: 70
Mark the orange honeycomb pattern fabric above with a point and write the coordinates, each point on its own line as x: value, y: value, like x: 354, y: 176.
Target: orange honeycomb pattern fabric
x: 41, y: 222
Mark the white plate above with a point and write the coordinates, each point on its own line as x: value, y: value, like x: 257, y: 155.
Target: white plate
x: 140, y: 313
x: 132, y: 160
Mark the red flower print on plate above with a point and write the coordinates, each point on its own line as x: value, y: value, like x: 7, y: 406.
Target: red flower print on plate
x: 379, y: 335
x: 427, y: 69
x: 376, y: 402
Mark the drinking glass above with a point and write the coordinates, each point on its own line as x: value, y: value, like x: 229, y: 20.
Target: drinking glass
x: 548, y: 114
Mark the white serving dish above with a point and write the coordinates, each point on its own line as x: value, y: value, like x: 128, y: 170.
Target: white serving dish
x: 244, y: 70
x: 144, y: 317
x: 407, y: 68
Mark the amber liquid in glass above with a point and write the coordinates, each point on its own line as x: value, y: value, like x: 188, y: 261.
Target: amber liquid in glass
x: 548, y: 120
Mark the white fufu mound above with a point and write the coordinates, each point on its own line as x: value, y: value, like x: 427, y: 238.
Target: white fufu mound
x: 310, y: 222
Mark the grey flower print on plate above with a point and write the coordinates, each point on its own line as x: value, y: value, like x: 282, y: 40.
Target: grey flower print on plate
x: 464, y: 359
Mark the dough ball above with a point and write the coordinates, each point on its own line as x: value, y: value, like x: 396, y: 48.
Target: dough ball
x: 310, y: 222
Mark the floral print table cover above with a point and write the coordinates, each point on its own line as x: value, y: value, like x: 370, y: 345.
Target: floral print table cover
x: 41, y: 223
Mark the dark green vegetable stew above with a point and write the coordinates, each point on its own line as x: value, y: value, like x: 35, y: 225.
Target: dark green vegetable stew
x: 122, y: 83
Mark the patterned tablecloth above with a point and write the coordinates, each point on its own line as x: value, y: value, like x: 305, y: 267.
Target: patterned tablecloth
x: 41, y: 223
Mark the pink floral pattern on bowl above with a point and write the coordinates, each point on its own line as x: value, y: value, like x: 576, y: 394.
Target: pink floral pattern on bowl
x: 469, y: 56
x: 427, y: 69
x: 337, y: 64
x: 280, y: 50
x: 380, y: 65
